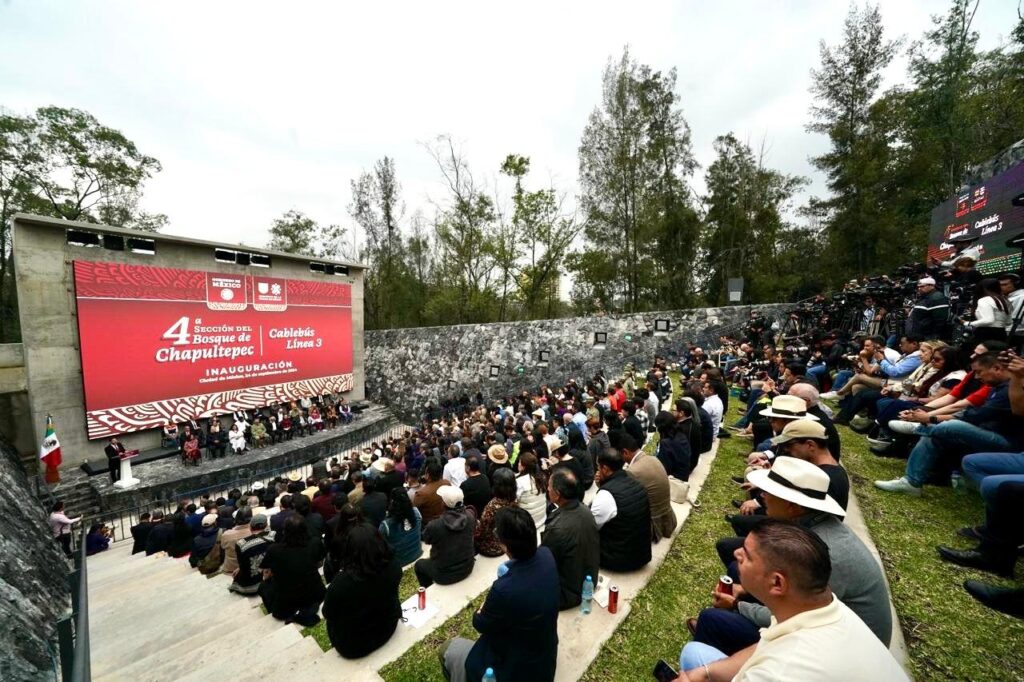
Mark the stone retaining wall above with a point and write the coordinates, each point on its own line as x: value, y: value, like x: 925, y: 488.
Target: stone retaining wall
x: 408, y: 368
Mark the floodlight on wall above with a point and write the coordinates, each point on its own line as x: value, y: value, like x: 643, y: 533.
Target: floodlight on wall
x: 317, y: 267
x: 143, y: 246
x: 495, y: 371
x: 242, y: 258
x: 113, y: 242
x: 223, y: 256
x: 544, y: 356
x: 520, y: 369
x: 82, y: 238
x: 661, y: 325
x: 259, y: 260
x: 600, y: 338
x: 628, y: 337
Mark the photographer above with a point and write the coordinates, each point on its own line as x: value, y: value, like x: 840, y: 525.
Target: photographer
x: 928, y: 318
x: 826, y: 358
x: 869, y: 370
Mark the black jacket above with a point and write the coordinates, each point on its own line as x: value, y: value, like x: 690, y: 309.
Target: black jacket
x: 451, y: 544
x: 140, y: 533
x: 626, y: 539
x: 707, y: 430
x: 830, y: 430
x: 632, y: 426
x: 572, y: 536
x: 929, y: 315
x: 674, y: 455
x: 159, y: 538
x: 518, y: 624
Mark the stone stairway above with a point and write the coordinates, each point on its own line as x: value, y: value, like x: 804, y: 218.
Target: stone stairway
x: 157, y: 619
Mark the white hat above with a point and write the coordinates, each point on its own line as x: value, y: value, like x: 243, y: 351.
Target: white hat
x: 538, y: 413
x: 925, y: 280
x: 258, y: 485
x: 799, y: 482
x: 451, y: 495
x: 210, y: 520
x: 788, y: 407
x: 553, y: 442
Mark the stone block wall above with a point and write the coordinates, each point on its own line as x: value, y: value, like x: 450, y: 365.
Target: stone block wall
x: 33, y: 578
x: 408, y: 368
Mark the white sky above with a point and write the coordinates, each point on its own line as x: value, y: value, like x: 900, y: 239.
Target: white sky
x: 256, y: 108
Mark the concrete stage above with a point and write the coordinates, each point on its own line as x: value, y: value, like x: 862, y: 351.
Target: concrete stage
x: 168, y: 479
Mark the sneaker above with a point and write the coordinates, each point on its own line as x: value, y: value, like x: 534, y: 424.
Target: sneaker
x: 904, y: 428
x: 879, y: 440
x: 831, y: 395
x: 899, y: 485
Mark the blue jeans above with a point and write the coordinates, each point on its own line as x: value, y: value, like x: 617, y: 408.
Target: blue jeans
x: 986, y: 470
x: 695, y: 655
x: 890, y: 408
x: 752, y: 409
x: 818, y: 371
x: 939, y: 439
x: 842, y: 376
x: 726, y: 631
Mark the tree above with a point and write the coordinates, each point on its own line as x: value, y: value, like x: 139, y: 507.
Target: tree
x: 744, y: 230
x: 634, y: 159
x: 846, y: 87
x: 294, y: 232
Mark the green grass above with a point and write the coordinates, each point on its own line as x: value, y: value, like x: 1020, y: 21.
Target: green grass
x: 406, y: 589
x: 949, y: 635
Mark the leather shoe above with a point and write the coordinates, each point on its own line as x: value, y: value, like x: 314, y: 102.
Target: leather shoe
x: 737, y: 503
x: 862, y: 428
x: 970, y: 532
x: 972, y: 558
x: 691, y: 625
x: 739, y: 479
x: 1005, y: 599
x: 887, y: 450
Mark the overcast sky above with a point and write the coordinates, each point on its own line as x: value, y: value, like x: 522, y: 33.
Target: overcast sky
x: 257, y: 108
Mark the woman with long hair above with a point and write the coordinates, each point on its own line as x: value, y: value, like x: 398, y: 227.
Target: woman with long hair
x: 292, y: 589
x: 346, y: 518
x: 402, y: 527
x: 991, y: 313
x: 362, y: 608
x: 531, y: 488
x: 503, y: 487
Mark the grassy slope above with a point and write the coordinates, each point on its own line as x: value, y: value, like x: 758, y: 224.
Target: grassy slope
x: 949, y: 635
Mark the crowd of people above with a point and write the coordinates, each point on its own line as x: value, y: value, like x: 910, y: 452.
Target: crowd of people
x: 255, y: 428
x: 559, y: 482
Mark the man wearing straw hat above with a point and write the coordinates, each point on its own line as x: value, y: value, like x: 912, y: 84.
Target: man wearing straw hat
x: 796, y: 490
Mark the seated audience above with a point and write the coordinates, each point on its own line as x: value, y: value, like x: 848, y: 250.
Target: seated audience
x: 361, y: 607
x: 208, y: 538
x: 426, y: 499
x: 649, y: 472
x: 518, y: 622
x: 229, y: 539
x: 622, y: 513
x: 97, y: 539
x: 477, y: 487
x: 402, y: 528
x: 505, y: 494
x: 572, y: 536
x: 451, y: 542
x: 812, y: 636
x: 292, y: 588
x: 531, y: 487
x: 140, y: 533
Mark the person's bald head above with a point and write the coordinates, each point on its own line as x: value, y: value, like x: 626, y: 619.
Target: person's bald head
x: 809, y: 394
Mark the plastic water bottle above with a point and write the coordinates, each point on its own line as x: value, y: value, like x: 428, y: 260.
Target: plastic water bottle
x: 957, y: 481
x: 588, y: 595
x: 489, y: 675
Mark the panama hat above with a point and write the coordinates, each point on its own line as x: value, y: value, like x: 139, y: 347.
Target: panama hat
x: 799, y: 482
x: 788, y: 407
x: 497, y: 454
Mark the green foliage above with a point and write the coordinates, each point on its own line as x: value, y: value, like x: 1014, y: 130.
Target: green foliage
x: 634, y: 160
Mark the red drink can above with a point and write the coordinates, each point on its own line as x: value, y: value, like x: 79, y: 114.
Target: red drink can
x: 423, y: 597
x: 725, y: 584
x: 613, y: 599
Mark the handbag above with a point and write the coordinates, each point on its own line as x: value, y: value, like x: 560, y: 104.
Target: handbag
x: 679, y: 491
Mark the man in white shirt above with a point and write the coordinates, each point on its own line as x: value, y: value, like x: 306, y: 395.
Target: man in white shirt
x: 455, y: 470
x: 813, y: 636
x: 1010, y: 286
x: 713, y: 406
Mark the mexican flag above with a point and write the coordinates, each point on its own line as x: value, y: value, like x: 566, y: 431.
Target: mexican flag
x: 49, y: 452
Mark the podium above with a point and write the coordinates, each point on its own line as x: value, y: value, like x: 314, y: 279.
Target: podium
x: 126, y: 480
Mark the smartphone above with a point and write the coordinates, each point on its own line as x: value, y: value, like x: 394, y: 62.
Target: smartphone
x: 663, y: 672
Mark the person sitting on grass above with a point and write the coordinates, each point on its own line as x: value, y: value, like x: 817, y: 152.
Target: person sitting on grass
x: 797, y: 490
x: 812, y: 636
x: 995, y: 426
x: 518, y: 622
x: 362, y: 608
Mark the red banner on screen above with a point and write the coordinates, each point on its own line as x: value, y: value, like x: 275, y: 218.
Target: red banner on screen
x: 162, y: 344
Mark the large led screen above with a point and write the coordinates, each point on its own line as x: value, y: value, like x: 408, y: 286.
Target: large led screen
x: 987, y: 211
x: 161, y: 344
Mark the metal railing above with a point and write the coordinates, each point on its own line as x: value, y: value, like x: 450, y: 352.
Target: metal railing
x: 73, y: 629
x: 121, y: 520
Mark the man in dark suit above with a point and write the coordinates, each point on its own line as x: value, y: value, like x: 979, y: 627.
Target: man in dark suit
x: 140, y: 533
x: 518, y: 623
x: 114, y: 450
